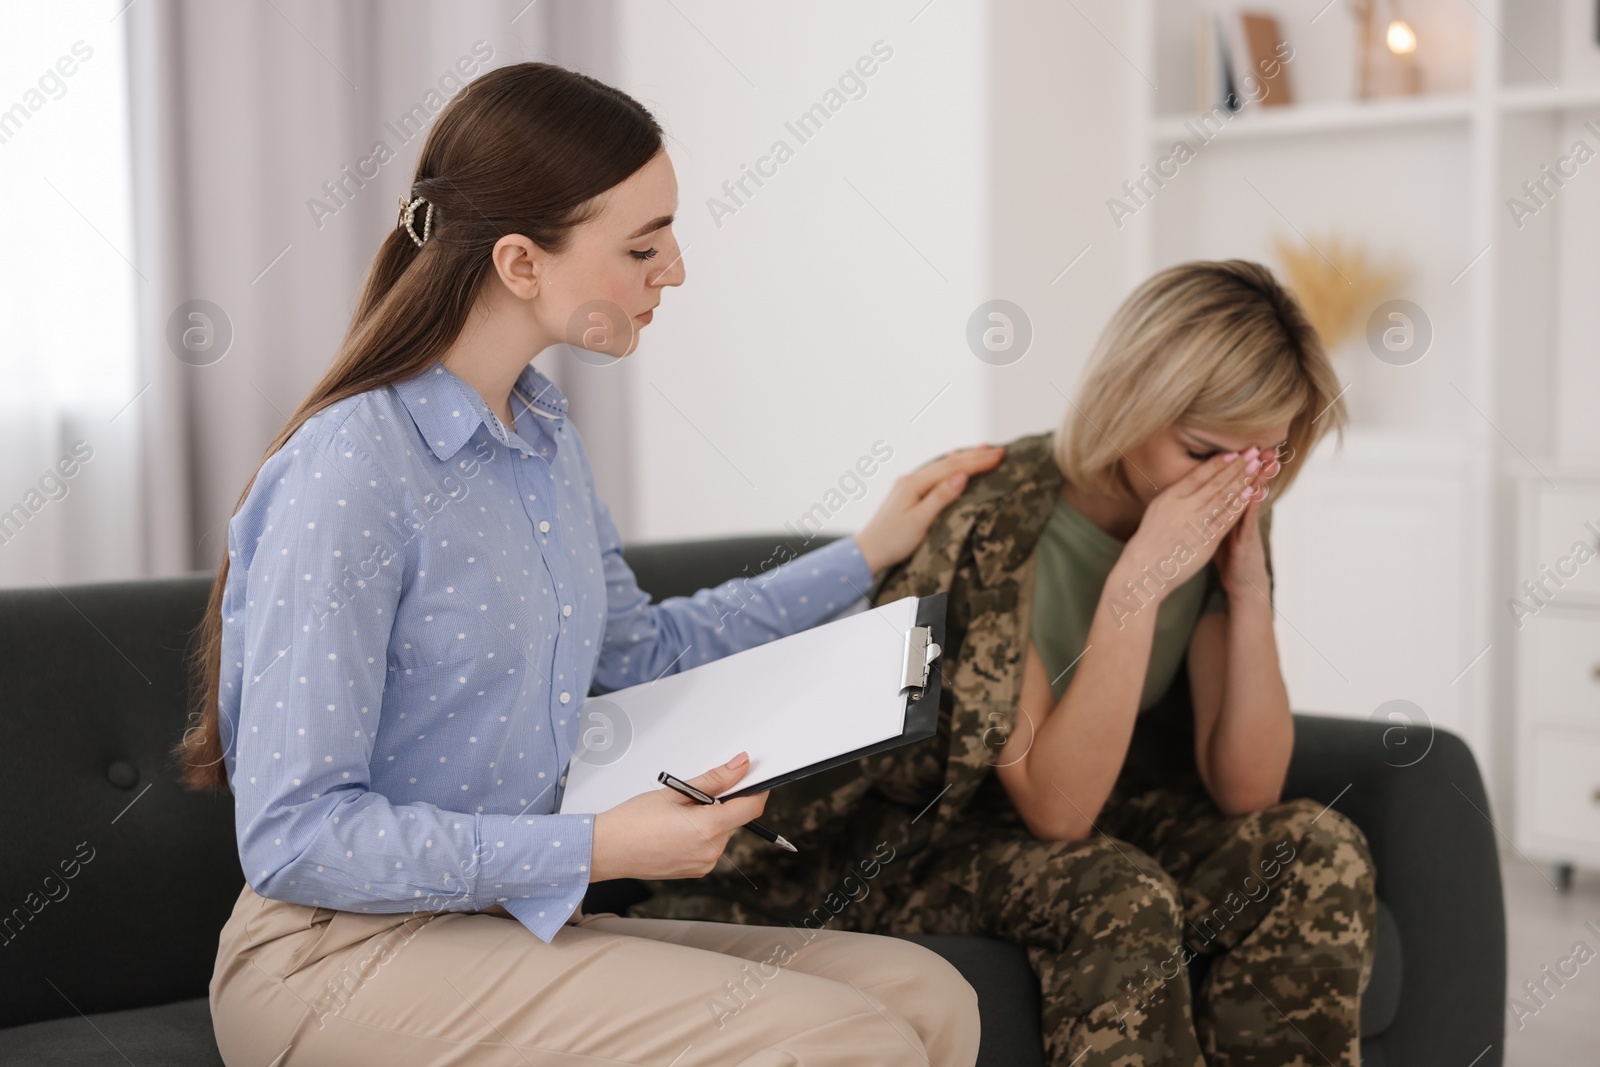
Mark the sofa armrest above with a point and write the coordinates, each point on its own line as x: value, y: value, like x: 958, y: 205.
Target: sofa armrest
x: 1422, y: 807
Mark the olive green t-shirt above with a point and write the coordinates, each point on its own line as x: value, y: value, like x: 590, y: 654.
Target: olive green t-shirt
x: 1074, y: 559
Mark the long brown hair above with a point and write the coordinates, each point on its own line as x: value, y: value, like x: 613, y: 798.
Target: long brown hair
x: 524, y: 149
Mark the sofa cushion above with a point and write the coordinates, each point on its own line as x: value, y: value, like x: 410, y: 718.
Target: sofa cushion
x: 1381, y: 1002
x: 172, y: 1035
x: 1008, y: 996
x: 118, y: 880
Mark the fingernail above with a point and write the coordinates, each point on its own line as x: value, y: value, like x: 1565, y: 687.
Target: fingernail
x: 1252, y: 452
x: 957, y: 480
x: 739, y: 759
x: 1253, y: 466
x: 1244, y: 494
x: 1230, y: 456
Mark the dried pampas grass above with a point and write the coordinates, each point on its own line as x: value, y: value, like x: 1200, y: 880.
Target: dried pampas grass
x: 1336, y: 283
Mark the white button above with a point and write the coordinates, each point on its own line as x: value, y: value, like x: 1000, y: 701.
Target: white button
x: 544, y: 527
x: 563, y: 779
x: 566, y: 609
x: 566, y: 697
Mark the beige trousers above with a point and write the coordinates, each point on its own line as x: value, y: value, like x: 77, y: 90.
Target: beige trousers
x: 297, y: 986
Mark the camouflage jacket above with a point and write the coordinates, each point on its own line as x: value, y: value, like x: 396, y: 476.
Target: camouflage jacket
x: 915, y: 800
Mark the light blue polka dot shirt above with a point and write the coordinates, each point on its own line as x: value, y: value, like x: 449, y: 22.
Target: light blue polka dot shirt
x: 418, y: 599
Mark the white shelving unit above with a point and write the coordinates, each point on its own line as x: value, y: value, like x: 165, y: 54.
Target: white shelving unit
x: 1397, y: 555
x: 1558, y: 666
x: 1514, y: 99
x: 1327, y: 117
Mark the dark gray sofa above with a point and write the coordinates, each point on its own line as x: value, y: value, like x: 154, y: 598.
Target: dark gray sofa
x: 115, y: 969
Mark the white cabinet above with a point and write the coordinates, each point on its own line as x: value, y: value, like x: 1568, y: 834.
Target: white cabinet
x: 1564, y: 791
x: 1567, y: 518
x: 1374, y: 583
x: 1556, y: 603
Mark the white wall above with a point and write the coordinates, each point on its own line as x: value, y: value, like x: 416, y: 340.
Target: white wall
x: 811, y: 325
x: 1058, y: 147
x: 830, y: 309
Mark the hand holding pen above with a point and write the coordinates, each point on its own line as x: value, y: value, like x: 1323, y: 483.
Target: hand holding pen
x: 680, y: 786
x: 663, y: 834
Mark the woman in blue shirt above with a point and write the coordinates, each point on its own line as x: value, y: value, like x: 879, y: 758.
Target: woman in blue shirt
x: 421, y: 587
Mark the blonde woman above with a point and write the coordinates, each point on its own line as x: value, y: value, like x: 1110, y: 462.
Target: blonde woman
x: 1112, y: 662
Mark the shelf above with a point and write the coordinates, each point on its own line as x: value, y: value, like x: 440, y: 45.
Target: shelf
x: 1296, y: 119
x: 1544, y: 98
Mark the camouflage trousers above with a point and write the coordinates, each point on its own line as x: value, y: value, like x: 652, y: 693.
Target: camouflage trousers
x: 1277, y: 907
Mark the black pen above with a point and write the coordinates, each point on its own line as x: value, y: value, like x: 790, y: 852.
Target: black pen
x: 680, y: 786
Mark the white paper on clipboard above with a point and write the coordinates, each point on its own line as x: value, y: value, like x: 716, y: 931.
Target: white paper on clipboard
x: 790, y: 703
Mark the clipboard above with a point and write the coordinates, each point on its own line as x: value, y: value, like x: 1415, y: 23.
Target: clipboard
x: 919, y: 680
x: 743, y: 700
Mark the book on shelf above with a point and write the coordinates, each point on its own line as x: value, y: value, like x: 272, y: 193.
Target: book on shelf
x: 1241, y: 57
x: 1213, y: 85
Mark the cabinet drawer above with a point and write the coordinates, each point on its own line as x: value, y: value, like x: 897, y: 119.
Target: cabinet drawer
x: 1562, y: 657
x: 1563, y: 514
x: 1565, y: 788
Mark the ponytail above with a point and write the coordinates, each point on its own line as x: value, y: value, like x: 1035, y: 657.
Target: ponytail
x: 525, y: 149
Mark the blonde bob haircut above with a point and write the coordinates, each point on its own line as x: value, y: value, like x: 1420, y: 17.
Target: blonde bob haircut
x: 1217, y: 345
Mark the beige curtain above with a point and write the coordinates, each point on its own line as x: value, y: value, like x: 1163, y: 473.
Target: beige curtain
x: 254, y: 126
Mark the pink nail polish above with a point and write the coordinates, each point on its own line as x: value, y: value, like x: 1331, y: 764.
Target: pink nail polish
x: 1253, y: 466
x: 1230, y: 456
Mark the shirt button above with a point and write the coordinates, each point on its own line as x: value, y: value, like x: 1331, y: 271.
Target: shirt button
x: 565, y: 697
x: 544, y: 527
x: 566, y: 609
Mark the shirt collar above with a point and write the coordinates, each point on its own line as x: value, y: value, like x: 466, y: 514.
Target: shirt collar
x: 447, y: 410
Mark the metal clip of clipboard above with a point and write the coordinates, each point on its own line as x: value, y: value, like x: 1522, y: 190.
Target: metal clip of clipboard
x: 921, y: 651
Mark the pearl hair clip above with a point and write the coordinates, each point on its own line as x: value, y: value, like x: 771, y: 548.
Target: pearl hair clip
x: 408, y: 211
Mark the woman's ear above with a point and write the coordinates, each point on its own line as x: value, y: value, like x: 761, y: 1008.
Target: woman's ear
x: 520, y: 264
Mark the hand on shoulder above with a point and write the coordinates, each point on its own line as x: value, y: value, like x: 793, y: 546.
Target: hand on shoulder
x: 916, y: 499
